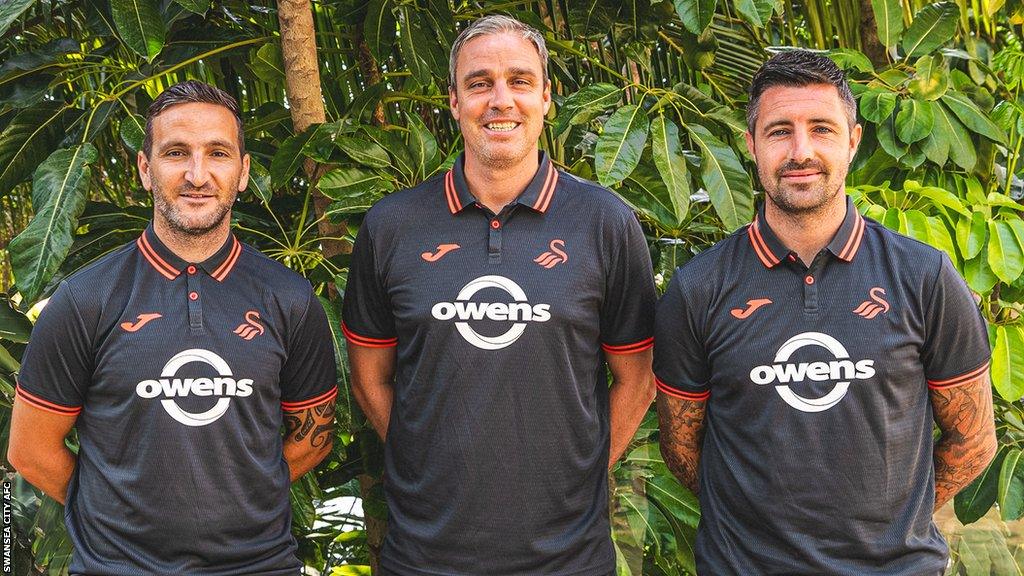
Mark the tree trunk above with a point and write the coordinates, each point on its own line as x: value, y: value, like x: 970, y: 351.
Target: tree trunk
x: 305, y: 101
x: 869, y: 42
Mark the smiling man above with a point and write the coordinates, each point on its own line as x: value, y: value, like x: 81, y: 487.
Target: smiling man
x: 802, y: 361
x: 481, y: 310
x: 179, y: 358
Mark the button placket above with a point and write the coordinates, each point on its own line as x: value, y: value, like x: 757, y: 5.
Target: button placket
x: 195, y: 306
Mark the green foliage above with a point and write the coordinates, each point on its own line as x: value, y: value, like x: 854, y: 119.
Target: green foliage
x: 649, y: 100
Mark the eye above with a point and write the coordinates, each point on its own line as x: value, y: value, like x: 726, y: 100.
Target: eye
x: 220, y: 154
x: 778, y: 132
x: 476, y: 85
x: 174, y: 153
x: 823, y: 130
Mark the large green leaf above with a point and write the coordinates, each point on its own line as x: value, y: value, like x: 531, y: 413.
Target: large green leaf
x: 936, y: 145
x: 886, y: 134
x: 351, y: 183
x: 973, y: 118
x: 423, y: 146
x: 914, y: 121
x: 267, y: 63
x: 930, y: 78
x: 14, y: 326
x: 1011, y: 486
x: 671, y: 164
x: 724, y: 178
x: 260, y: 181
x: 10, y: 10
x: 59, y: 190
x: 620, y: 144
x: 133, y: 131
x: 140, y: 26
x: 977, y: 497
x: 937, y: 196
x: 363, y: 151
x: 971, y: 234
x: 951, y: 131
x: 877, y: 104
x: 585, y: 105
x: 979, y: 274
x: 415, y: 60
x: 379, y: 28
x: 1008, y: 362
x: 695, y: 14
x: 1005, y: 254
x: 289, y: 157
x: 32, y: 134
x: 888, y: 20
x: 933, y: 26
x: 756, y: 12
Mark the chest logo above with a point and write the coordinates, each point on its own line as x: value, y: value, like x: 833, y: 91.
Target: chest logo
x: 752, y: 306
x: 224, y: 385
x: 873, y: 307
x: 143, y: 319
x: 442, y: 249
x: 554, y: 256
x: 251, y: 328
x: 519, y: 311
x: 842, y: 370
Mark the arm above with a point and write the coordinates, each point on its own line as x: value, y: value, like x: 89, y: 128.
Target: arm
x: 968, y: 442
x: 309, y: 437
x: 37, y: 450
x: 629, y: 398
x: 373, y: 371
x: 681, y: 424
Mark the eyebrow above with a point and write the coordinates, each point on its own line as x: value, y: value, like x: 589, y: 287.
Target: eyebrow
x: 485, y: 73
x: 826, y: 121
x: 217, y: 143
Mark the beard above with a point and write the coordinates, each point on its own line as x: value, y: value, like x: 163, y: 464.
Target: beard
x: 801, y: 199
x: 189, y: 224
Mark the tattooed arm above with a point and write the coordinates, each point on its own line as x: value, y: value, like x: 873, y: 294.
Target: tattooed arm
x: 682, y: 430
x: 309, y: 435
x: 968, y: 441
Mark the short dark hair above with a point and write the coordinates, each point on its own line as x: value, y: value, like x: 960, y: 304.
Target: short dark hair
x: 188, y: 92
x: 799, y: 68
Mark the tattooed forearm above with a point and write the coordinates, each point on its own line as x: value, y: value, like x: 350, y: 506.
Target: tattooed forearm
x: 968, y: 442
x: 309, y: 435
x: 682, y: 430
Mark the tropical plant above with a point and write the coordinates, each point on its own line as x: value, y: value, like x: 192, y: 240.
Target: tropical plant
x: 345, y: 102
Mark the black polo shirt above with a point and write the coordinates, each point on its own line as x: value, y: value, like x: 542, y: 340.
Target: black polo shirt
x: 817, y: 455
x: 178, y: 373
x: 497, y: 447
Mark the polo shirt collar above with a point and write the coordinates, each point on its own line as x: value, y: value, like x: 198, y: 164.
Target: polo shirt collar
x: 770, y: 250
x: 169, y: 265
x: 537, y: 195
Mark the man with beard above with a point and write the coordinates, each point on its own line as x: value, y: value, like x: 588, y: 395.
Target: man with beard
x: 802, y: 360
x: 179, y: 358
x: 481, y: 309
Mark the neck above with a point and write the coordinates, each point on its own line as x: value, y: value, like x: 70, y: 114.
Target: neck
x: 192, y: 248
x: 496, y: 187
x: 807, y: 233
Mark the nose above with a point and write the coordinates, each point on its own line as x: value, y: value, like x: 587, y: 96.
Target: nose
x: 197, y: 173
x: 501, y: 97
x: 801, y: 149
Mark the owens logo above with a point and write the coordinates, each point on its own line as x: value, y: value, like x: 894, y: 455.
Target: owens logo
x: 553, y: 257
x: 251, y: 328
x: 842, y: 368
x: 871, y: 308
x: 170, y: 387
x: 519, y: 311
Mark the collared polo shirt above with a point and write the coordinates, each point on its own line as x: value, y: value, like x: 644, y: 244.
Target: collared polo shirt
x: 178, y: 373
x: 817, y: 455
x: 497, y: 447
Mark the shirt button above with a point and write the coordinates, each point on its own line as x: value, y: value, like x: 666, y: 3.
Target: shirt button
x: 191, y: 269
x: 193, y: 296
x: 792, y: 258
x: 495, y: 224
x: 809, y: 280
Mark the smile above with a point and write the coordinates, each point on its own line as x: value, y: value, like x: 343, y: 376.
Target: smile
x: 502, y: 126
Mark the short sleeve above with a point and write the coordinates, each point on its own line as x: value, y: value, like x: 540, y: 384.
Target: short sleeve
x: 309, y: 376
x: 58, y: 363
x: 680, y: 362
x: 367, y: 319
x: 627, y: 313
x: 956, y: 348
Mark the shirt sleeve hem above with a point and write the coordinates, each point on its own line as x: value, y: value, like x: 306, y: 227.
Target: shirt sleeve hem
x: 632, y: 348
x: 677, y: 393
x: 366, y: 341
x: 310, y: 402
x: 958, y: 380
x: 43, y: 404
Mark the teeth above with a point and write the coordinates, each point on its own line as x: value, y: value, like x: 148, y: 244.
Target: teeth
x: 502, y: 126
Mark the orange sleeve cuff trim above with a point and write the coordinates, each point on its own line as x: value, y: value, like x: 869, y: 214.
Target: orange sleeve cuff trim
x: 315, y: 401
x: 958, y: 380
x: 692, y: 396
x: 629, y: 348
x: 46, y: 405
x: 368, y: 342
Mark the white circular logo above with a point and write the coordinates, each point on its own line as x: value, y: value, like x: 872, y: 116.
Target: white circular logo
x: 519, y: 311
x: 783, y: 372
x: 170, y: 387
